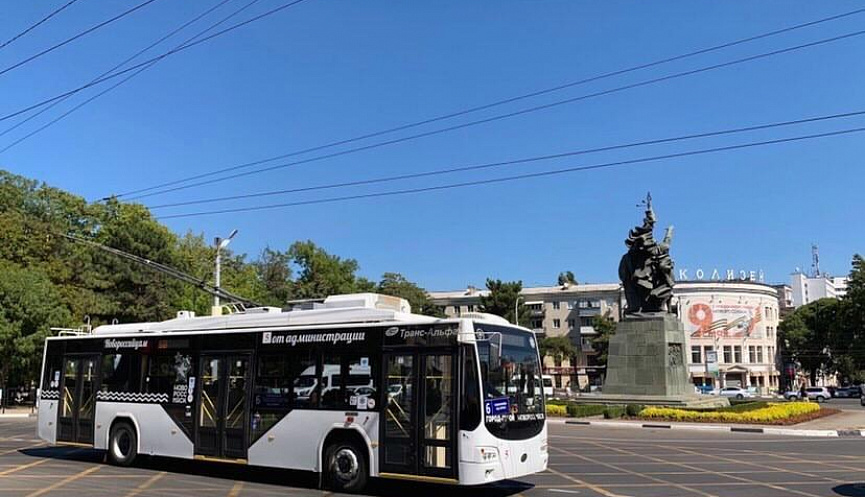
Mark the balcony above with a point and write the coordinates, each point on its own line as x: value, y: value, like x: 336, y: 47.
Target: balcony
x: 590, y: 311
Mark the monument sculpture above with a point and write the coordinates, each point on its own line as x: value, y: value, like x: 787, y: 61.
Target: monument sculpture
x: 646, y: 358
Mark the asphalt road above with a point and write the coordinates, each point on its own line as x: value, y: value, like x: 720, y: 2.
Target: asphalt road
x: 585, y: 462
x: 845, y: 404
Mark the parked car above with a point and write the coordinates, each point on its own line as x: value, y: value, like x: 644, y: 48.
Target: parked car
x: 736, y: 393
x: 706, y: 389
x: 820, y: 394
x: 846, y: 392
x: 547, y: 381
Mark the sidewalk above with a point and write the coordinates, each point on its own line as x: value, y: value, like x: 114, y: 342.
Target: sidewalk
x: 843, y: 424
x: 17, y: 412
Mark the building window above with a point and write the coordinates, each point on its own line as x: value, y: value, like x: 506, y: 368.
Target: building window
x: 728, y: 354
x: 759, y: 353
x: 557, y: 323
x: 557, y: 360
x: 696, y: 358
x: 571, y: 323
x: 456, y: 310
x: 586, y: 321
x: 556, y: 305
x: 570, y: 304
x: 752, y: 356
x: 737, y: 353
x: 470, y: 308
x: 537, y: 324
x: 706, y: 350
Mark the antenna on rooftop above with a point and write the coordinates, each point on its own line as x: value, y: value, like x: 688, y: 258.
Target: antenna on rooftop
x: 815, y: 261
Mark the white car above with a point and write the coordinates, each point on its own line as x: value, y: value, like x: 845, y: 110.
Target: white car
x: 735, y: 393
x: 820, y: 394
x: 547, y: 381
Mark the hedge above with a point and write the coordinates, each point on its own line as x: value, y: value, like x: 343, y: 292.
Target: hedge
x: 771, y: 412
x: 554, y: 410
x: 614, y: 412
x: 584, y: 410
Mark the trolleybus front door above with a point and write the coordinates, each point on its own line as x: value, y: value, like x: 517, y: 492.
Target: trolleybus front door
x: 77, y: 399
x: 418, y: 436
x: 222, y: 407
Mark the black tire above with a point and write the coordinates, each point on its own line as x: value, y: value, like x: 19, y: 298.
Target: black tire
x: 122, y: 444
x: 740, y: 397
x: 345, y: 468
x: 821, y: 399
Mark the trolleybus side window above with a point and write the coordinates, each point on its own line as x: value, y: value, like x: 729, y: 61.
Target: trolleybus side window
x: 470, y: 415
x: 273, y: 392
x: 121, y: 372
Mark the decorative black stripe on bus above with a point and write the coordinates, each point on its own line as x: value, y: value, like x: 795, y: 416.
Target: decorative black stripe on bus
x: 50, y: 395
x: 147, y: 398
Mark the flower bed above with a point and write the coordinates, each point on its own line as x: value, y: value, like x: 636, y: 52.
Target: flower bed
x: 772, y: 413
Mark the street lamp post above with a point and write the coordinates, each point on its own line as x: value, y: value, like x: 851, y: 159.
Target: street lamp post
x: 220, y: 244
x: 517, y: 310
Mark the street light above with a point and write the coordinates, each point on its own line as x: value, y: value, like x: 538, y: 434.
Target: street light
x: 517, y: 310
x: 220, y: 244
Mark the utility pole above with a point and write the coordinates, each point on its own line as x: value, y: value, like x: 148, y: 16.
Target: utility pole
x: 220, y: 244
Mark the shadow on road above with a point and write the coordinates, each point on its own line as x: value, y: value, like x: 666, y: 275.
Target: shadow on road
x: 850, y: 490
x: 274, y: 476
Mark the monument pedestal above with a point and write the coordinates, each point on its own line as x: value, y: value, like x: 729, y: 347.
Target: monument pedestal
x: 647, y: 364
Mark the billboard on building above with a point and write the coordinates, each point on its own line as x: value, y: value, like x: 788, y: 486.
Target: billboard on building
x: 720, y: 320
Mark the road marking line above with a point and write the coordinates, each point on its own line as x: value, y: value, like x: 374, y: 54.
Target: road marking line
x: 23, y: 466
x: 144, y: 486
x: 588, y: 485
x: 21, y: 448
x: 704, y: 454
x: 65, y: 481
x: 635, y: 473
x: 563, y: 491
x: 235, y: 490
x: 746, y: 463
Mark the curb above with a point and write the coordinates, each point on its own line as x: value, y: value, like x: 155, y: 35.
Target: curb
x: 794, y: 432
x: 17, y: 416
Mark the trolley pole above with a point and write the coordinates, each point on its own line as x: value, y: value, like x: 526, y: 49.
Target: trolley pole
x: 220, y: 244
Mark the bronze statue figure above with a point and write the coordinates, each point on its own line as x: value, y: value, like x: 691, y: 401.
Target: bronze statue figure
x: 646, y: 270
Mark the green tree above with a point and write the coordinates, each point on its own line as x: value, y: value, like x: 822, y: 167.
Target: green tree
x: 605, y: 327
x: 567, y: 278
x: 29, y: 306
x: 501, y: 299
x: 397, y: 285
x: 321, y: 274
x: 809, y: 334
x: 558, y: 348
x: 274, y: 272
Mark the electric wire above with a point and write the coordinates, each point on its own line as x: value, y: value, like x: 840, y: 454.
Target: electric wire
x: 524, y: 160
x: 117, y: 66
x: 504, y: 116
x: 504, y: 179
x: 500, y: 102
x: 124, y: 80
x: 39, y: 23
x: 148, y: 61
x: 79, y: 35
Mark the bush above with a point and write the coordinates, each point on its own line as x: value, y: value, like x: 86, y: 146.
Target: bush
x: 554, y: 410
x: 769, y: 413
x: 633, y: 410
x: 584, y: 410
x: 614, y: 412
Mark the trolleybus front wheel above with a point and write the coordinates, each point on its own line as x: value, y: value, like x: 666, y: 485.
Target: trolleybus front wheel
x: 122, y: 444
x: 345, y: 468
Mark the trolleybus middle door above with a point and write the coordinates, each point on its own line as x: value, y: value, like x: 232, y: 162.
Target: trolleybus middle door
x: 222, y: 408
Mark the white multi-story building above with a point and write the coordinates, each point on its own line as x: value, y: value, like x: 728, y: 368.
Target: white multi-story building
x: 738, y: 321
x: 563, y: 310
x: 807, y: 289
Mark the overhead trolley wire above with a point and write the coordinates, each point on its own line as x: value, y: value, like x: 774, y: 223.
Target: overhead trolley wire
x: 504, y: 179
x: 524, y: 160
x: 501, y: 102
x: 127, y: 78
x: 149, y: 61
x: 117, y: 66
x: 39, y: 23
x: 79, y: 35
x: 507, y: 115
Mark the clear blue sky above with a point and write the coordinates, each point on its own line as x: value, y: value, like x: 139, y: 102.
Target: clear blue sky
x: 332, y: 69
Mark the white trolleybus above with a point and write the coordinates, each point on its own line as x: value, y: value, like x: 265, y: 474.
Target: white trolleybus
x: 356, y: 387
